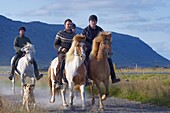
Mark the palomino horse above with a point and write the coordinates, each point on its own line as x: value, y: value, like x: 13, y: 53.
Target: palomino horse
x: 75, y: 71
x: 25, y: 66
x: 99, y: 70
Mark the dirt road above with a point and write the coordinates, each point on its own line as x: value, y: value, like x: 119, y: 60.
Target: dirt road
x: 112, y: 105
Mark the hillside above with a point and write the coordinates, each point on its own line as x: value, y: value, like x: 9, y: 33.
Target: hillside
x: 128, y: 51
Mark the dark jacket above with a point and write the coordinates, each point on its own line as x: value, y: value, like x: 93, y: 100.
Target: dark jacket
x: 63, y: 40
x: 90, y: 35
x: 19, y: 43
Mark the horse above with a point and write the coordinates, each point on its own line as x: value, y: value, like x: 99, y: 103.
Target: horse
x: 74, y: 71
x: 25, y: 66
x: 99, y: 70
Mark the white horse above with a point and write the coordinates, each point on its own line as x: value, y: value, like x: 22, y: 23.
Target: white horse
x: 25, y: 66
x: 75, y: 72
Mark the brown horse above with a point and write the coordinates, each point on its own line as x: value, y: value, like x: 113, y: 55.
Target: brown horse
x: 99, y: 70
x: 75, y: 71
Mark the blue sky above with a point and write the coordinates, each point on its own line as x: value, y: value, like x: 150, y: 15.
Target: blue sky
x: 147, y: 19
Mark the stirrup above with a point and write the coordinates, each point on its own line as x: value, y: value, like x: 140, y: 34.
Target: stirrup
x: 116, y: 80
x: 11, y: 77
x: 39, y: 76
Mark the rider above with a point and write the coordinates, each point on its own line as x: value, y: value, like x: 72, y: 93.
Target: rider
x: 91, y: 31
x: 19, y: 42
x: 74, y: 27
x: 62, y: 43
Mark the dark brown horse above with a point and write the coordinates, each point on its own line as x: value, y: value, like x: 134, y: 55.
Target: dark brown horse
x: 99, y: 70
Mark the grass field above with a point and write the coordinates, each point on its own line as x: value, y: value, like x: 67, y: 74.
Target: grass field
x: 150, y: 85
x: 147, y: 86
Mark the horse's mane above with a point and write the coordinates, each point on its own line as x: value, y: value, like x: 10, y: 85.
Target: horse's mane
x: 28, y: 46
x: 102, y: 36
x: 70, y: 53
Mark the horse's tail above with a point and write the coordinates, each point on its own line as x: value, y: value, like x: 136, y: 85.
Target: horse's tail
x: 49, y: 79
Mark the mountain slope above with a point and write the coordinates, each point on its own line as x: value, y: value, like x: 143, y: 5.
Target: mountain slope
x: 127, y: 50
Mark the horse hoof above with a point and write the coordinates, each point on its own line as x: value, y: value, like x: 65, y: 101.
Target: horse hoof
x: 93, y: 102
x: 83, y: 108
x: 103, y: 97
x: 70, y: 107
x: 66, y: 107
x: 52, y: 101
x: 101, y: 107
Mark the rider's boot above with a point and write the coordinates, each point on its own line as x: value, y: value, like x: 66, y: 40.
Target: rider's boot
x: 36, y: 71
x: 112, y: 73
x: 11, y: 75
x: 16, y: 57
x: 113, y: 77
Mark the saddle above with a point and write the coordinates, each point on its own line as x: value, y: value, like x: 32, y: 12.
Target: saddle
x: 16, y: 63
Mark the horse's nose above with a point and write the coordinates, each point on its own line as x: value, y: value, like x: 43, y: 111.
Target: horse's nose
x: 83, y: 56
x: 31, y: 61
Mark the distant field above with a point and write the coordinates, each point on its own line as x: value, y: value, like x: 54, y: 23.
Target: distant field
x: 4, y: 70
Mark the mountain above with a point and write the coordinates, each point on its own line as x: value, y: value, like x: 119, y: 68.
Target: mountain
x: 128, y: 51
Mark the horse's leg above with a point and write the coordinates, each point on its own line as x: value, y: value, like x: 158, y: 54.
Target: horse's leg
x: 106, y: 85
x: 92, y: 91
x: 33, y: 80
x: 13, y: 84
x: 99, y: 94
x: 22, y: 83
x: 71, y: 86
x: 83, y: 96
x: 52, y: 100
x: 63, y: 92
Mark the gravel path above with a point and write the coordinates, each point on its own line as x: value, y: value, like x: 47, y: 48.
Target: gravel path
x: 111, y: 104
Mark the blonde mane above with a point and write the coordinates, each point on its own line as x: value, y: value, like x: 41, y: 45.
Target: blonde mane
x: 70, y: 53
x: 102, y: 36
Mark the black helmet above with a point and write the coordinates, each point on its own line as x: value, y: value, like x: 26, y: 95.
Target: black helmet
x: 93, y: 17
x: 22, y: 28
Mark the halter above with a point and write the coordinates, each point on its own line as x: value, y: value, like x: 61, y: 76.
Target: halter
x: 80, y: 51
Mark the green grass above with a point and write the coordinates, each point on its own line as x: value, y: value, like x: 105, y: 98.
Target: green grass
x: 145, y: 88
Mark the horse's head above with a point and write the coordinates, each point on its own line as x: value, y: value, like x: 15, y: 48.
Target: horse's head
x: 106, y: 42
x: 29, y: 51
x: 77, y: 48
x: 102, y: 43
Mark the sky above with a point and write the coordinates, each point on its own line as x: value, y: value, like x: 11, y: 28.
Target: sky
x: 149, y: 20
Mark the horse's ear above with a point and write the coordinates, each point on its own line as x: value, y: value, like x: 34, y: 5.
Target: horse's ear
x: 32, y: 85
x: 24, y: 85
x: 28, y: 43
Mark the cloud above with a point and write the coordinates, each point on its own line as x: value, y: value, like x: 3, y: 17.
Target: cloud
x: 163, y: 18
x: 149, y: 27
x: 98, y: 6
x: 124, y: 19
x: 163, y: 48
x: 126, y: 13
